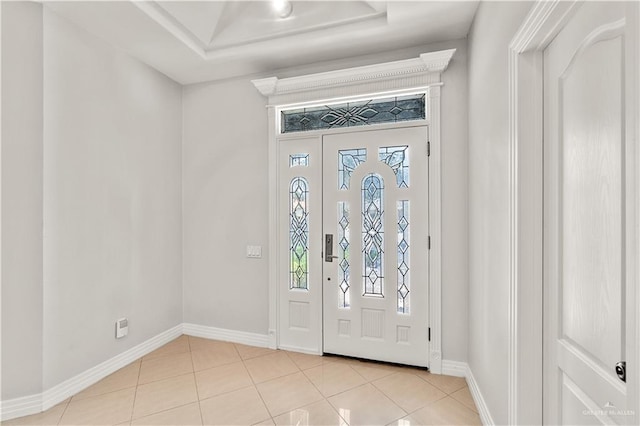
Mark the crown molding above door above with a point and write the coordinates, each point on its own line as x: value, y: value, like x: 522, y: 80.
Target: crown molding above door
x: 422, y: 71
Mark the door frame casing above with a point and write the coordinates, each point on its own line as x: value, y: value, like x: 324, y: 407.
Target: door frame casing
x: 392, y: 78
x: 526, y: 307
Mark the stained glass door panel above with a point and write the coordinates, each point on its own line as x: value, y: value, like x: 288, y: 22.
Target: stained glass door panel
x: 375, y: 288
x: 299, y: 241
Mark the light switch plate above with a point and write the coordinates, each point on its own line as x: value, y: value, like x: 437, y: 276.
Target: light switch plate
x: 254, y: 252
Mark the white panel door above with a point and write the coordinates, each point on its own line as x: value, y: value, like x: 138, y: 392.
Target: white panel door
x: 375, y: 266
x: 589, y: 212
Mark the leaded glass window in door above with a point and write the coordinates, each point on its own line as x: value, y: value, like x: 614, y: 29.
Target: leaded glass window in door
x: 373, y: 234
x: 348, y: 160
x: 403, y: 256
x: 299, y: 233
x: 298, y: 160
x: 397, y: 157
x: 344, y: 265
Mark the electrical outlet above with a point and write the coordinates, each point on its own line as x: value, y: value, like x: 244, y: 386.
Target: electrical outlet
x: 122, y: 328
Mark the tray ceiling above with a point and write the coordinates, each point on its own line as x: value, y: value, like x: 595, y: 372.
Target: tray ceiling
x: 195, y: 41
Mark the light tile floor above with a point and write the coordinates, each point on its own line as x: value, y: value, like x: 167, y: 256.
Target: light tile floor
x: 194, y: 381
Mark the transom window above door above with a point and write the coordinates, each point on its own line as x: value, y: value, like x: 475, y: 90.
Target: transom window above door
x: 391, y: 109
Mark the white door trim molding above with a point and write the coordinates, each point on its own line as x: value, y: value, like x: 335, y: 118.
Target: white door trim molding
x: 540, y: 26
x: 423, y: 73
x: 525, y: 208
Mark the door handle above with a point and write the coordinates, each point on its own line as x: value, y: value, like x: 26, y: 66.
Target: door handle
x: 328, y: 248
x: 621, y: 370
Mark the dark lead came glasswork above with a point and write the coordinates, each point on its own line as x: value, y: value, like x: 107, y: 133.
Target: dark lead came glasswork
x: 372, y: 234
x: 397, y: 157
x: 299, y: 234
x: 298, y: 160
x: 403, y: 256
x: 348, y: 160
x: 350, y: 114
x: 343, y: 254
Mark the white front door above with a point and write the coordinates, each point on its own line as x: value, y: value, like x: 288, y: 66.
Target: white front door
x: 368, y: 191
x: 375, y: 229
x: 589, y: 216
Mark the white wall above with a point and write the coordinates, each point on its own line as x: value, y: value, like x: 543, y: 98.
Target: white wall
x: 493, y: 28
x: 21, y: 199
x: 112, y: 217
x: 225, y: 198
x: 91, y: 187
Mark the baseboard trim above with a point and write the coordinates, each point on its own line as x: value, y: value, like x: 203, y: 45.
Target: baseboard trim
x: 300, y: 350
x: 18, y: 407
x: 454, y: 368
x: 483, y: 410
x: 242, y: 337
x: 462, y: 369
x: 34, y: 404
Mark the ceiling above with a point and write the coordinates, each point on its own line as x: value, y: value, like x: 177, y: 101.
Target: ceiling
x: 195, y: 41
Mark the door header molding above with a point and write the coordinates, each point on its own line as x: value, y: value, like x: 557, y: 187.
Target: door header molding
x: 425, y: 70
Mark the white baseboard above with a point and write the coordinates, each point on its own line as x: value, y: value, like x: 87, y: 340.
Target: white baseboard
x: 300, y: 350
x: 462, y: 369
x: 18, y: 407
x: 34, y: 404
x: 243, y: 337
x: 454, y: 368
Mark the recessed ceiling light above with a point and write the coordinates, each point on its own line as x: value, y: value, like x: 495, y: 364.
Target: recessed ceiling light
x: 283, y: 8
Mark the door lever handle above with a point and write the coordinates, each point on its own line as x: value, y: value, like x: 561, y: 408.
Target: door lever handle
x: 328, y: 248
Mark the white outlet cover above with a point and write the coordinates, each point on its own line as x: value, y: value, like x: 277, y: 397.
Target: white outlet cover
x: 122, y: 328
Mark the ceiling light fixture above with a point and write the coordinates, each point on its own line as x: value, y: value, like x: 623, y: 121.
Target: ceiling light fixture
x: 283, y: 8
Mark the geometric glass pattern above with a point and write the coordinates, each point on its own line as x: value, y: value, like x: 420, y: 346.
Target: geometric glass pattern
x: 403, y: 256
x: 397, y: 157
x: 350, y: 114
x: 372, y: 234
x: 343, y: 255
x: 298, y: 160
x: 299, y: 234
x: 348, y: 160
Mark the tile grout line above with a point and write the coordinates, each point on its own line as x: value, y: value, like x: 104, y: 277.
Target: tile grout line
x: 65, y: 410
x: 195, y: 380
x: 254, y: 383
x: 135, y: 394
x: 172, y: 377
x: 325, y: 398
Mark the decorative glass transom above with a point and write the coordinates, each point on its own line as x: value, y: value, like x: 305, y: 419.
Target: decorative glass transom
x: 372, y: 234
x: 298, y: 160
x: 397, y: 157
x: 350, y: 114
x: 343, y: 254
x: 403, y: 256
x: 348, y: 160
x: 299, y: 234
